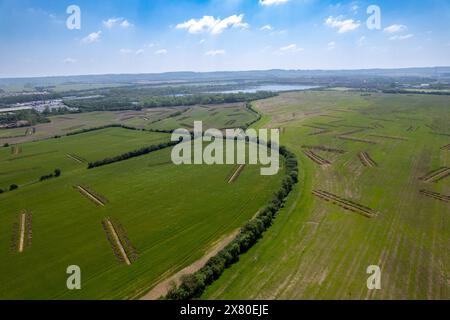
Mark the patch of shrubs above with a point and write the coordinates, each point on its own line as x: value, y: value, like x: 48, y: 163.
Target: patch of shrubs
x: 193, y: 285
x: 55, y: 174
x: 13, y: 187
x: 131, y: 154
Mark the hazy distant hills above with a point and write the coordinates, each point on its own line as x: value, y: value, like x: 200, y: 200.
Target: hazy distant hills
x: 436, y: 72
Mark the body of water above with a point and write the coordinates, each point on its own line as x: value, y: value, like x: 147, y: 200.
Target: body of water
x: 271, y: 87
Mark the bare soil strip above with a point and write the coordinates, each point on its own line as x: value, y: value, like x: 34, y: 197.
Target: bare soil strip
x: 435, y: 195
x: 388, y: 137
x: 437, y: 175
x: 366, y: 160
x: 163, y: 287
x: 76, y: 158
x: 237, y: 173
x: 325, y: 149
x: 115, y: 242
x: 346, y: 204
x: 317, y: 159
x: 22, y: 231
x: 89, y: 194
x: 356, y: 139
x: 447, y: 147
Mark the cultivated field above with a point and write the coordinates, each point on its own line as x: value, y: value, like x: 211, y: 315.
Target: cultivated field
x: 213, y: 116
x: 375, y: 191
x: 129, y: 225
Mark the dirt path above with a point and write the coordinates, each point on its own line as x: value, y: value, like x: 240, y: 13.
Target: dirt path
x: 22, y: 232
x: 161, y: 288
x: 119, y: 244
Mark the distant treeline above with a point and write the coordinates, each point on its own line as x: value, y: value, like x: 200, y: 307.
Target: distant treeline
x: 137, y: 102
x: 400, y: 91
x: 32, y: 117
x: 193, y: 285
x: 131, y: 154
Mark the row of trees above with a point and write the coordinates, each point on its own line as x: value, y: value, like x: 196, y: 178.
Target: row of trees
x: 11, y: 188
x: 193, y: 285
x: 55, y: 174
x: 131, y: 154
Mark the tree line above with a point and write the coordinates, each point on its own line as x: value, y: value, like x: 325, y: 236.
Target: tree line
x: 193, y: 285
x: 131, y: 154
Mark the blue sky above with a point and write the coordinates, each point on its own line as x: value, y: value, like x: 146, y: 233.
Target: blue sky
x: 144, y: 36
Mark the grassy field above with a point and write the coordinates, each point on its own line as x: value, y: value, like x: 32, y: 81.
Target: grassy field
x: 213, y: 116
x: 319, y: 250
x: 170, y: 214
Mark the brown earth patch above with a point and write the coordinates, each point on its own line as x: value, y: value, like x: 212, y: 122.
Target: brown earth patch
x: 115, y: 241
x: 325, y: 149
x: 388, y: 137
x: 355, y: 139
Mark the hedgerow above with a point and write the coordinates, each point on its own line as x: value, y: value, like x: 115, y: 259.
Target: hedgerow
x: 193, y: 285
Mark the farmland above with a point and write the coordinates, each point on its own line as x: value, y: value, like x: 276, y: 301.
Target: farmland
x: 213, y: 116
x: 128, y: 225
x: 374, y: 191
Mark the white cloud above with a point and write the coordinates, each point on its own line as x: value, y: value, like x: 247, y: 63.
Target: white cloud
x: 202, y: 41
x: 126, y: 24
x: 405, y: 37
x: 331, y: 45
x: 214, y: 53
x: 342, y: 25
x: 139, y: 52
x: 213, y: 25
x: 355, y: 8
x: 291, y: 48
x: 111, y: 22
x: 267, y: 27
x: 69, y: 60
x: 272, y: 2
x: 395, y: 28
x: 125, y: 51
x: 93, y: 37
x: 161, y: 51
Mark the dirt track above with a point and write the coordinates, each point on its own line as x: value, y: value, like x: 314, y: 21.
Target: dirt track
x: 162, y: 288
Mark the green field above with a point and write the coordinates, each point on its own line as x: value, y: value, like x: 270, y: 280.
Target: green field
x: 171, y: 214
x: 318, y: 250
